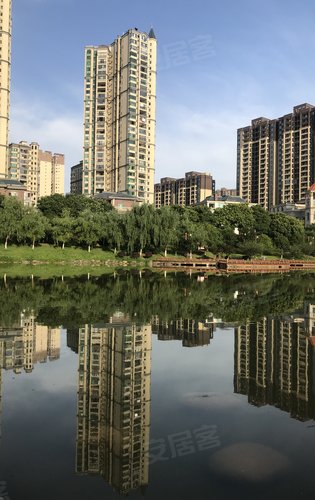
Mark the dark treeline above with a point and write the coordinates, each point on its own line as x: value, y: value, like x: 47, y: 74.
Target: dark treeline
x: 73, y: 302
x: 79, y: 221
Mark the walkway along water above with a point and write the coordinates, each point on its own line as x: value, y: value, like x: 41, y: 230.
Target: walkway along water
x: 235, y: 265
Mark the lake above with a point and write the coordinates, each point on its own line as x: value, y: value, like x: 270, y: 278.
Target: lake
x: 157, y: 385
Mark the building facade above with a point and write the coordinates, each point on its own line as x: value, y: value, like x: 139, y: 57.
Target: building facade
x: 214, y: 202
x: 17, y: 190
x: 256, y: 162
x: 119, y: 116
x: 122, y: 202
x: 226, y: 192
x: 41, y: 172
x: 276, y: 158
x: 188, y: 191
x: 76, y: 178
x: 5, y: 69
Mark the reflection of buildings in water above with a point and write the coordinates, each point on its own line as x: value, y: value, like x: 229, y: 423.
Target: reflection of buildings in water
x: 275, y: 363
x: 28, y: 343
x: 73, y: 339
x: 191, y: 332
x: 114, y: 402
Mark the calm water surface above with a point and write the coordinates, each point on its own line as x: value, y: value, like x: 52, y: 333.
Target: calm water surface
x: 157, y: 386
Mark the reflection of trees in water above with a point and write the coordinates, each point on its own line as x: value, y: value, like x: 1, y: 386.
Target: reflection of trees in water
x: 76, y: 301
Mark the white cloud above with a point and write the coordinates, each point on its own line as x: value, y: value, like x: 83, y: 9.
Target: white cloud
x: 202, y: 141
x: 59, y: 133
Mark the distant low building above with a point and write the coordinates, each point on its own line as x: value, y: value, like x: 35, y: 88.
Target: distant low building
x: 122, y: 202
x: 302, y: 211
x: 187, y: 191
x: 226, y: 192
x: 214, y: 202
x: 296, y: 210
x: 15, y: 189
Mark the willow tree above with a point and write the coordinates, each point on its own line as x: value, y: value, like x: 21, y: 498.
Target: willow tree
x: 62, y: 228
x: 168, y: 221
x: 88, y: 228
x: 11, y: 212
x: 33, y: 226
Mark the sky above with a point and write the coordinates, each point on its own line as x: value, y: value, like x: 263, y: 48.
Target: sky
x: 220, y: 65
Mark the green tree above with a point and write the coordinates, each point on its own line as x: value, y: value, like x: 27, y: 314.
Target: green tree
x: 129, y: 231
x: 234, y: 217
x: 214, y: 238
x: 251, y: 248
x: 52, y: 206
x: 62, y: 228
x: 167, y: 221
x: 230, y: 240
x: 261, y: 219
x: 204, y: 214
x: 144, y: 222
x: 33, y: 226
x: 112, y: 229
x: 88, y: 228
x: 266, y: 244
x: 11, y: 213
x: 77, y: 203
x: 199, y: 237
x: 286, y: 232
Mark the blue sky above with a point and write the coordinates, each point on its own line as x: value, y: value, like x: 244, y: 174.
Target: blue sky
x: 221, y: 64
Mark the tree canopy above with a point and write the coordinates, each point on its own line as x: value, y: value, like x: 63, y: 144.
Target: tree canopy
x: 79, y: 221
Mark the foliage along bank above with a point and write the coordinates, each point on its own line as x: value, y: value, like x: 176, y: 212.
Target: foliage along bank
x: 75, y: 220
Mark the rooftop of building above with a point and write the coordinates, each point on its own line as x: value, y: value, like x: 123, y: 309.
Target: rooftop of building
x: 7, y: 183
x: 106, y: 195
x: 262, y: 119
x: 152, y: 34
x: 182, y: 179
x: 224, y: 198
x: 305, y: 105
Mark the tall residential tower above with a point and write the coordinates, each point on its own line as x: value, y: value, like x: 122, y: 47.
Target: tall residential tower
x: 119, y: 116
x: 276, y: 158
x: 5, y: 64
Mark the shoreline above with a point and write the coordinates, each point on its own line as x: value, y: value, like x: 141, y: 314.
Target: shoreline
x: 205, y: 268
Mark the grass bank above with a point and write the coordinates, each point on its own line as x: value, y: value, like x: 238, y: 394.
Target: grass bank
x: 50, y: 254
x: 46, y: 261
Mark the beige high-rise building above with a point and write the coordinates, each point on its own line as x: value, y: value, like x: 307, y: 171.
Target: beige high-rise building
x: 276, y: 158
x: 114, y: 402
x: 5, y: 68
x: 296, y: 154
x: 42, y: 172
x: 119, y: 116
x: 50, y: 173
x: 58, y: 174
x: 256, y: 162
